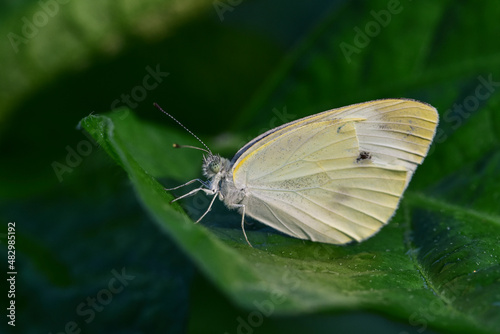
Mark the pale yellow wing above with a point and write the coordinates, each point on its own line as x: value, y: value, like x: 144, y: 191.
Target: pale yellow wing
x: 336, y: 176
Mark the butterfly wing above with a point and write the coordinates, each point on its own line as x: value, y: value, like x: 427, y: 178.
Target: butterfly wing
x: 336, y: 176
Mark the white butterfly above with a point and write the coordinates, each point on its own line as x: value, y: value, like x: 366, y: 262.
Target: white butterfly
x: 333, y: 177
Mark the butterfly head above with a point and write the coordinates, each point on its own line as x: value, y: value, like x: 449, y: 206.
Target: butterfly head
x: 214, y: 164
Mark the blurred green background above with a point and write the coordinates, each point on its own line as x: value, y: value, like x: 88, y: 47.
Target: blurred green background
x: 228, y: 70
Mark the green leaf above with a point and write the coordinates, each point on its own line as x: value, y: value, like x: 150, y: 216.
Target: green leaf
x: 434, y: 267
x: 436, y: 263
x: 429, y: 265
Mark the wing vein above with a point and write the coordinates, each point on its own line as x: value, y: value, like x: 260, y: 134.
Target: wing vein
x: 399, y: 140
x: 331, y: 179
x: 331, y: 211
x: 308, y: 214
x: 338, y: 214
x: 277, y: 218
x: 398, y: 149
x: 294, y: 161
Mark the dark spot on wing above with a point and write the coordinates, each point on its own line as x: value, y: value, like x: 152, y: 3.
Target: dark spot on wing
x: 363, y: 155
x: 339, y: 129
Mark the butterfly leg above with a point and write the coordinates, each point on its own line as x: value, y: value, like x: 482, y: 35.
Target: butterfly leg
x: 209, y: 207
x: 188, y: 183
x: 192, y: 192
x: 238, y: 206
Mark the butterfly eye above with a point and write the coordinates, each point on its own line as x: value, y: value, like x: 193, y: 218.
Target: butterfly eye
x: 215, y: 166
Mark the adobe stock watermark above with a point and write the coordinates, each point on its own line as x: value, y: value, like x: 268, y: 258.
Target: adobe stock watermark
x: 138, y: 93
x: 437, y: 308
x: 87, y: 309
x: 265, y: 308
x: 381, y: 19
x: 31, y: 26
x: 460, y: 112
x: 74, y: 156
x: 221, y: 7
x: 280, y: 117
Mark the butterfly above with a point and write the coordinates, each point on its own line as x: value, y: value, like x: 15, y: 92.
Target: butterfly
x: 333, y: 177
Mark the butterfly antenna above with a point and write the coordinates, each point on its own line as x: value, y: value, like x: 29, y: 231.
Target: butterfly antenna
x: 192, y: 134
